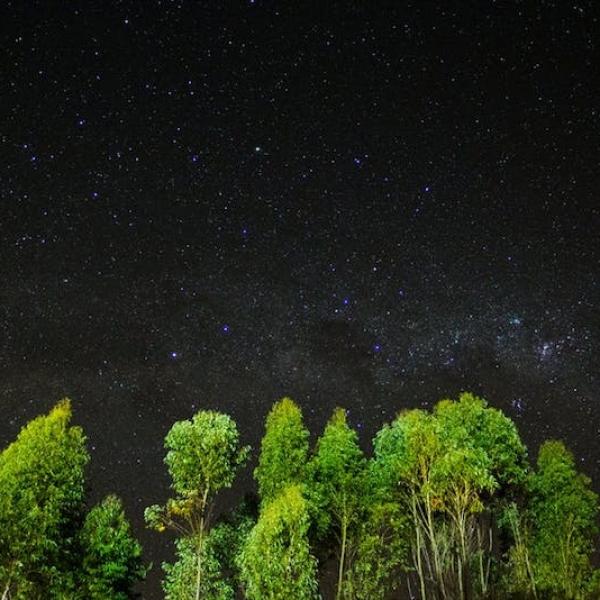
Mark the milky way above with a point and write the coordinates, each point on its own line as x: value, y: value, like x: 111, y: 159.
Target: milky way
x: 209, y: 206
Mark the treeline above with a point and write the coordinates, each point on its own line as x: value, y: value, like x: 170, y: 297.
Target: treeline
x: 446, y: 507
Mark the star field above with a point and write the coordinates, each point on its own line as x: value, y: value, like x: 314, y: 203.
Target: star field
x: 216, y: 204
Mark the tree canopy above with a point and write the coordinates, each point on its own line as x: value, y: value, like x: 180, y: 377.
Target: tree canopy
x: 49, y: 546
x: 203, y: 457
x: 283, y: 450
x: 447, y: 506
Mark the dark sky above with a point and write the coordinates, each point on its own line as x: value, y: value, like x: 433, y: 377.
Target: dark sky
x: 371, y: 204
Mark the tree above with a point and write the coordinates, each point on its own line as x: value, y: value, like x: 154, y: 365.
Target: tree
x: 283, y: 451
x: 490, y: 442
x: 181, y: 577
x: 519, y: 577
x: 111, y: 557
x: 221, y: 547
x: 470, y: 422
x: 275, y: 562
x: 338, y: 473
x: 405, y: 455
x: 381, y: 547
x: 563, y: 515
x: 204, y: 455
x: 41, y: 505
x: 445, y: 468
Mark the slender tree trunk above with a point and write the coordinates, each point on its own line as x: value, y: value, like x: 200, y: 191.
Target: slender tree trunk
x: 435, y: 550
x: 484, y: 572
x: 460, y: 578
x: 199, y: 562
x: 463, y: 554
x: 200, y: 549
x: 418, y: 557
x: 521, y: 543
x: 338, y: 594
x: 6, y: 592
x: 482, y: 579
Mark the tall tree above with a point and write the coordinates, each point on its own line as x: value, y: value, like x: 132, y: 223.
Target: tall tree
x: 41, y: 505
x: 405, y: 456
x: 338, y: 480
x: 203, y: 457
x: 444, y: 467
x: 380, y: 550
x: 284, y: 450
x: 275, y: 562
x: 484, y: 439
x: 111, y: 556
x: 563, y: 516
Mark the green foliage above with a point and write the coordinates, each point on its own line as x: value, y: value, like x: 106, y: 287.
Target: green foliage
x: 563, y: 515
x: 338, y: 479
x: 284, y: 450
x: 423, y: 449
x: 48, y: 547
x: 470, y: 422
x: 220, y: 570
x: 112, y: 562
x: 444, y: 467
x: 338, y: 470
x: 276, y: 562
x: 228, y: 537
x: 203, y: 453
x: 41, y: 504
x: 405, y: 452
x: 447, y: 508
x: 181, y: 581
x: 380, y: 553
x: 203, y: 457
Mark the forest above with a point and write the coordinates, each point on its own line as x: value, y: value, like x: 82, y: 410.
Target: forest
x: 445, y: 505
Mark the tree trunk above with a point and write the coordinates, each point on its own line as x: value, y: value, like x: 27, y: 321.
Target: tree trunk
x: 418, y: 557
x: 201, y: 542
x: 338, y: 594
x: 463, y: 552
x: 6, y: 592
x: 199, y: 565
x: 434, y: 549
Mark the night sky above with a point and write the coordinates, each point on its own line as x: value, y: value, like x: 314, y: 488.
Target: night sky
x: 367, y: 204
